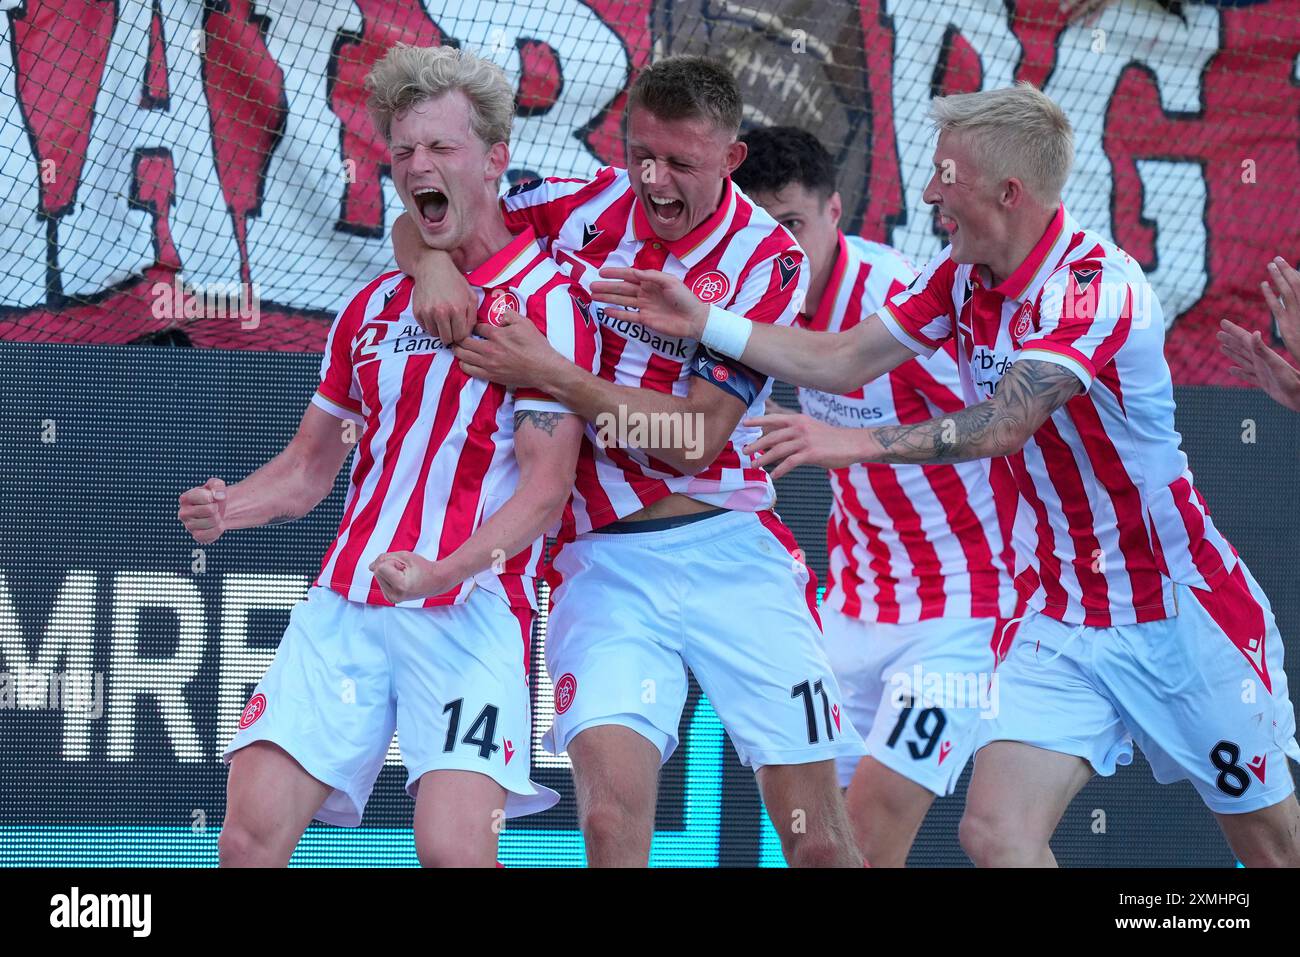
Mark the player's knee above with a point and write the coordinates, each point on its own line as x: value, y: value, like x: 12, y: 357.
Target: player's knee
x: 241, y: 846
x: 991, y: 841
x: 609, y: 821
x: 1273, y: 847
x: 444, y: 849
x: 822, y: 849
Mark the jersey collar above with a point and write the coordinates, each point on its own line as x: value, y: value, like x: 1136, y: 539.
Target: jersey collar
x: 507, y: 262
x: 694, y: 244
x: 1023, y: 284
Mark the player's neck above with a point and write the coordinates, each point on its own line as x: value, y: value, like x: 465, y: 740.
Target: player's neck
x: 490, y: 236
x: 1019, y: 245
x: 821, y: 278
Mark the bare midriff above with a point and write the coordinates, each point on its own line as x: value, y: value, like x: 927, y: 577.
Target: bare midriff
x: 670, y: 507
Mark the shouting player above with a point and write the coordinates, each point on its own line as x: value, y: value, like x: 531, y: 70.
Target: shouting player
x: 1144, y: 624
x: 919, y: 584
x: 671, y: 556
x: 422, y: 613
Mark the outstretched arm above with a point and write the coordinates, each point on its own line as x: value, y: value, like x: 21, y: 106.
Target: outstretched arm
x: 1259, y: 365
x: 1026, y: 397
x: 835, y: 362
x: 1284, y: 301
x: 285, y: 488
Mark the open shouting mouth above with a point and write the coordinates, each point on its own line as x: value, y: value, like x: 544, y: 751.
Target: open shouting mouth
x: 432, y: 204
x: 665, y: 209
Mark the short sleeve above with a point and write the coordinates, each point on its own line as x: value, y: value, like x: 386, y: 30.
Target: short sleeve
x: 563, y: 313
x: 1084, y: 316
x: 773, y: 290
x: 922, y: 316
x: 339, y: 393
x: 546, y: 204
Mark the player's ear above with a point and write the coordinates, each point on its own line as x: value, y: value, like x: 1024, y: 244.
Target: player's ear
x: 835, y: 206
x: 734, y: 156
x: 498, y: 160
x: 1013, y: 193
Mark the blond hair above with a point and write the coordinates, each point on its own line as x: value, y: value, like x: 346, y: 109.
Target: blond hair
x: 1019, y: 131
x: 407, y: 74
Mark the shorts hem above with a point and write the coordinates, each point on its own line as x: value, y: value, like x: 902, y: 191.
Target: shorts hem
x: 897, y: 766
x: 338, y: 819
x: 664, y: 741
x: 1106, y: 769
x: 762, y: 758
x: 519, y: 803
x: 1260, y: 802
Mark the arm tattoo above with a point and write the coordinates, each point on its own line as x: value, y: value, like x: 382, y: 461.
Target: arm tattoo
x: 546, y: 421
x: 1026, y: 397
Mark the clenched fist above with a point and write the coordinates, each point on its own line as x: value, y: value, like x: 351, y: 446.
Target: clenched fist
x: 446, y: 309
x: 203, y: 511
x: 403, y: 576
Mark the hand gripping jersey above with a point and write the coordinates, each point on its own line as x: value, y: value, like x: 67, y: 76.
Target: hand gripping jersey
x: 906, y: 543
x: 739, y: 258
x: 435, y: 456
x: 1108, y: 516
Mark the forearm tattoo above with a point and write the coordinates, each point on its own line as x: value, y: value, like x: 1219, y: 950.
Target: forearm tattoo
x: 1029, y: 393
x: 546, y: 421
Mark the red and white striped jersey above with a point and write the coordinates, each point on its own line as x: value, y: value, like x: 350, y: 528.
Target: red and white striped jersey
x: 435, y: 454
x: 905, y: 543
x: 739, y: 258
x: 1107, y: 513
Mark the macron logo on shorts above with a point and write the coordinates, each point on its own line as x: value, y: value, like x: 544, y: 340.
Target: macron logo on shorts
x: 565, y: 690
x: 255, y: 708
x: 1258, y: 766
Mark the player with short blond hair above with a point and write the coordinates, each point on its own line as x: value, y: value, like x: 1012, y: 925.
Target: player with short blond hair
x: 421, y: 617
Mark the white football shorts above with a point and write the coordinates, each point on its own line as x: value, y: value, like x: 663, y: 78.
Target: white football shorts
x: 725, y: 596
x: 451, y: 680
x: 1203, y: 694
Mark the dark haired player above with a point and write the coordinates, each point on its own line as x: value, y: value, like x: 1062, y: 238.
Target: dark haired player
x: 919, y: 579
